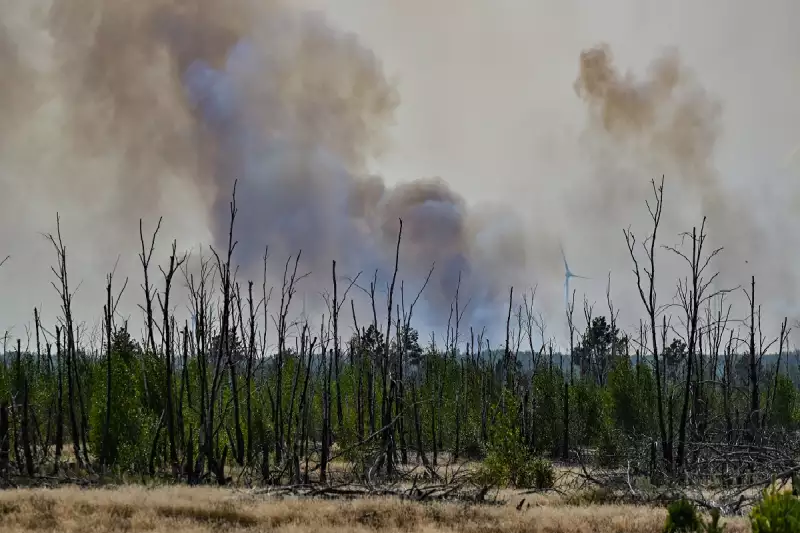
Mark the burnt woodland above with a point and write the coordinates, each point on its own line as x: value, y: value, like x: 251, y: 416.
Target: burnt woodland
x: 694, y: 404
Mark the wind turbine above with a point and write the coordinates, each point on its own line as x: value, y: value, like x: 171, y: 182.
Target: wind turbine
x: 567, y: 275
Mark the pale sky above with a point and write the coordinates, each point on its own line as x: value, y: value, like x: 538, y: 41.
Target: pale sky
x: 487, y: 103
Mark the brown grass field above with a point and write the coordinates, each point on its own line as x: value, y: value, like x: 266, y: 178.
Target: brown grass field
x: 183, y: 509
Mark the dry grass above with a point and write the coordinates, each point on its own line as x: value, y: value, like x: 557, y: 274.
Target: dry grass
x: 180, y: 509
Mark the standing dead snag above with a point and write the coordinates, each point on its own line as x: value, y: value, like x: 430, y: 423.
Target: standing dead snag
x: 753, y: 374
x: 782, y: 343
x: 198, y: 295
x: 226, y: 343
x: 288, y: 290
x: 109, y: 310
x: 266, y: 297
x: 335, y: 316
x: 508, y: 374
x: 22, y: 387
x: 650, y: 301
x: 169, y: 349
x: 388, y: 393
x: 59, y: 444
x: 68, y: 326
x: 144, y: 258
x: 756, y: 350
x: 251, y: 354
x: 692, y: 293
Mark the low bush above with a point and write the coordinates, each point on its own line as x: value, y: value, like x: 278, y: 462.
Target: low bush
x: 682, y: 517
x: 778, y: 512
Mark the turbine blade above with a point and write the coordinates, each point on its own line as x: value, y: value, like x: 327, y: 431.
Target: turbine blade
x: 564, y: 257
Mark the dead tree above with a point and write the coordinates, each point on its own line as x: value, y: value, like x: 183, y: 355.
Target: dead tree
x: 251, y: 354
x: 22, y: 387
x: 649, y: 297
x: 144, y: 257
x: 62, y: 288
x: 198, y: 295
x: 288, y: 290
x: 782, y: 344
x: 692, y: 294
x: 387, y: 381
x: 335, y: 317
x: 325, y: 452
x: 223, y: 355
x: 109, y: 311
x: 755, y: 395
x: 168, y: 341
x: 59, y: 438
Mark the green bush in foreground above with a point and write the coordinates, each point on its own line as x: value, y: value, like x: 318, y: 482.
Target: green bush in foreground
x: 509, y: 461
x: 777, y: 513
x: 682, y: 517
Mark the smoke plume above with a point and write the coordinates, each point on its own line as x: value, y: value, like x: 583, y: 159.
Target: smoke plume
x: 640, y: 128
x: 116, y: 111
x: 198, y: 95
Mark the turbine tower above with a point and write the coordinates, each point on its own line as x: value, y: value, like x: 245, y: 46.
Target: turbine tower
x: 567, y: 275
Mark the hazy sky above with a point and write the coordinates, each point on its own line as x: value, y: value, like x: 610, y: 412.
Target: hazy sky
x: 487, y: 102
x: 486, y: 87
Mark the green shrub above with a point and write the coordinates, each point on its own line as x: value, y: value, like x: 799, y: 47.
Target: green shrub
x: 473, y: 445
x: 682, y: 517
x: 493, y: 472
x: 508, y: 459
x: 523, y: 472
x: 536, y: 473
x: 777, y: 513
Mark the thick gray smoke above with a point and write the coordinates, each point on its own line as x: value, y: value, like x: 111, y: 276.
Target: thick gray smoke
x: 298, y: 154
x: 114, y: 111
x: 274, y: 98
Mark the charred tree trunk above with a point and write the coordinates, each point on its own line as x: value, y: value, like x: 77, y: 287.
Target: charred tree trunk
x: 22, y: 381
x: 251, y: 354
x: 755, y: 395
x: 59, y: 429
x: 169, y: 358
x: 326, y: 417
x: 565, y: 441
x: 336, y: 354
x: 4, y: 439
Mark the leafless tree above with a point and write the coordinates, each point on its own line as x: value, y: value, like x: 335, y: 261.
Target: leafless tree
x: 647, y: 291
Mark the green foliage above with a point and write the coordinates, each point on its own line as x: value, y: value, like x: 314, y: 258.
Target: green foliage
x: 548, y: 385
x: 587, y: 408
x: 598, y: 348
x: 131, y: 423
x: 630, y: 395
x: 682, y: 517
x: 778, y: 512
x: 784, y: 402
x: 539, y: 474
x: 509, y: 461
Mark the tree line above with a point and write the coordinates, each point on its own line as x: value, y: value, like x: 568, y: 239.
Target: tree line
x: 205, y: 401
